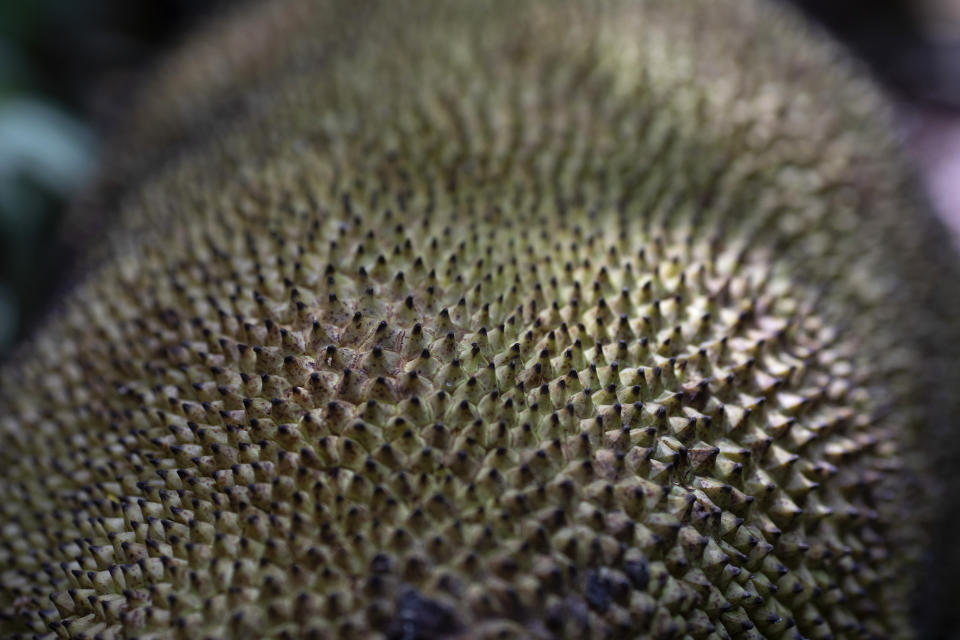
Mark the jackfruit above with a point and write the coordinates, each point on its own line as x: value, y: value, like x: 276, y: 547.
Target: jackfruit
x: 489, y: 319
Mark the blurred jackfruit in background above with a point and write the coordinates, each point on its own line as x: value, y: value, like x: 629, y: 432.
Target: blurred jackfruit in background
x: 67, y: 68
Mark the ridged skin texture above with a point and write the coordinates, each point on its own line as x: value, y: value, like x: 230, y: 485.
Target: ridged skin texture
x: 488, y: 319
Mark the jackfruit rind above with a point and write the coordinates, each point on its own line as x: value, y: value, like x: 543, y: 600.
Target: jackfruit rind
x: 543, y: 320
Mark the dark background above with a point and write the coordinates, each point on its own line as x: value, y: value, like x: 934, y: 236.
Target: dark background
x: 68, y: 67
x: 911, y: 45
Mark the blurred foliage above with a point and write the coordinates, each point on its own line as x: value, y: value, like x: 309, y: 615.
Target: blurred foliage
x: 44, y: 156
x: 66, y: 70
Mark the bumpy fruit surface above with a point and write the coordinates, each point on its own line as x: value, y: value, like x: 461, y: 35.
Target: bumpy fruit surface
x: 486, y: 319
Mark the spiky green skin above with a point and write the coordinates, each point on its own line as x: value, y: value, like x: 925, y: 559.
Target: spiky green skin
x: 543, y: 320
